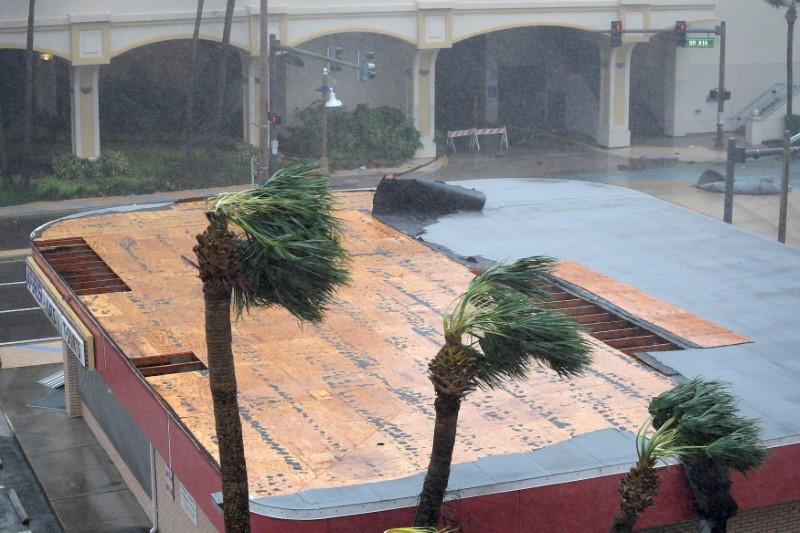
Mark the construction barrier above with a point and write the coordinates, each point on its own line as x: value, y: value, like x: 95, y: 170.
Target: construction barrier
x: 494, y: 131
x: 472, y: 133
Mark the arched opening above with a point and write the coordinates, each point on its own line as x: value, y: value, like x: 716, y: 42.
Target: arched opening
x: 143, y: 94
x: 374, y: 124
x: 652, y: 72
x: 536, y: 81
x: 51, y: 106
x: 392, y: 85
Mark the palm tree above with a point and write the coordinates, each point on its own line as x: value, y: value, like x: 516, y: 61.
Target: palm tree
x: 278, y: 244
x: 495, y: 331
x: 791, y: 17
x: 188, y: 125
x: 27, y: 127
x: 222, y: 75
x: 694, y: 421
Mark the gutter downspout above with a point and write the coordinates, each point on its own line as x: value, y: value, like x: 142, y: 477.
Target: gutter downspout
x: 153, y: 491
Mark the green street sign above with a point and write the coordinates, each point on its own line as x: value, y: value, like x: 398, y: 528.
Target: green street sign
x: 702, y: 42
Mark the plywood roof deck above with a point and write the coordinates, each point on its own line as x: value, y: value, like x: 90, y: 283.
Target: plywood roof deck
x: 346, y: 401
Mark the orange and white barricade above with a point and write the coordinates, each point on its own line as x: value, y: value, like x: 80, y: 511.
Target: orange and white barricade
x: 471, y: 133
x: 502, y: 132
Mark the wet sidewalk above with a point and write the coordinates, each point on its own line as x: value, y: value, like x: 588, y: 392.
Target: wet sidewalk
x: 83, y: 487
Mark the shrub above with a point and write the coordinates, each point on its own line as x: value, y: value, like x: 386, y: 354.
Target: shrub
x: 111, y: 163
x: 381, y: 134
x: 70, y: 167
x: 241, y: 154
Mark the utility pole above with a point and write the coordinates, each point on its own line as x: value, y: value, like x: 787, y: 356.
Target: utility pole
x: 323, y: 143
x: 787, y: 155
x: 730, y: 169
x: 264, y: 137
x: 721, y: 89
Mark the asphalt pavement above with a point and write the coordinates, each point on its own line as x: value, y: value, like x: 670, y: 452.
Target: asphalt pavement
x: 21, y: 320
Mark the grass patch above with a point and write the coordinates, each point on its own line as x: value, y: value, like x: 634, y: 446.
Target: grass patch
x: 150, y: 168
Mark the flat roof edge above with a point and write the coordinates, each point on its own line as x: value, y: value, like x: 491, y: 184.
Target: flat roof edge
x: 403, y: 493
x: 36, y: 233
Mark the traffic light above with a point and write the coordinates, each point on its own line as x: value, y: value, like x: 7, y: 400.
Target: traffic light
x: 336, y: 52
x: 616, y: 33
x: 366, y: 65
x: 274, y: 44
x: 680, y: 33
x: 275, y: 119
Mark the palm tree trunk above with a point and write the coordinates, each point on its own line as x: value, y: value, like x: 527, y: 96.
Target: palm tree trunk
x: 791, y: 17
x: 711, y: 492
x: 3, y: 154
x: 214, y: 251
x: 444, y: 440
x: 189, y: 126
x: 222, y: 74
x: 27, y: 128
x: 637, y: 490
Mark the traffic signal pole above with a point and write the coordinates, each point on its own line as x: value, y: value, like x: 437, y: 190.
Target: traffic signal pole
x: 721, y: 94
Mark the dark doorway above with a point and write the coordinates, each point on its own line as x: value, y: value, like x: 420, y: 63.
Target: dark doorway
x: 521, y: 92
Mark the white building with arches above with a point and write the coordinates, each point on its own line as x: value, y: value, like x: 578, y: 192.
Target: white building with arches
x: 670, y: 86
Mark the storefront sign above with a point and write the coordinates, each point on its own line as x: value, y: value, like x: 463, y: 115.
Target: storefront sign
x: 66, y: 323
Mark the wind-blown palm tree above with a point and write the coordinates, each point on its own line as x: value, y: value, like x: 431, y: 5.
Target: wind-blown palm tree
x: 27, y: 125
x: 278, y: 244
x: 791, y: 17
x: 188, y: 126
x: 495, y: 331
x: 222, y: 75
x: 696, y: 421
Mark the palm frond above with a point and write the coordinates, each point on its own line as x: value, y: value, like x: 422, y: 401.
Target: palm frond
x: 779, y: 3
x: 739, y: 450
x: 706, y: 417
x: 290, y: 248
x: 503, y: 311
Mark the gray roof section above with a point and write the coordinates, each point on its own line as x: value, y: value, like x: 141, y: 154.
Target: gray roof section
x: 591, y: 455
x: 729, y: 276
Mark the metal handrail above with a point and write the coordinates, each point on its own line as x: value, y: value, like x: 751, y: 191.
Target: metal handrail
x: 768, y: 101
x: 749, y: 107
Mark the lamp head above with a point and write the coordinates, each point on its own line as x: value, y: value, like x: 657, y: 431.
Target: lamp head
x: 332, y: 100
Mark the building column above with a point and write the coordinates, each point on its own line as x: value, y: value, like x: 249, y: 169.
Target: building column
x: 251, y: 71
x: 615, y: 85
x: 424, y: 72
x: 72, y: 397
x: 86, y: 111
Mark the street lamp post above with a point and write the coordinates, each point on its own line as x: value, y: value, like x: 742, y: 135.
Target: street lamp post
x: 328, y: 100
x: 323, y: 158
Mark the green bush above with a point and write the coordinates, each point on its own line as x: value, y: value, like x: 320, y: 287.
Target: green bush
x: 363, y: 135
x: 111, y: 163
x: 70, y: 167
x: 440, y: 139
